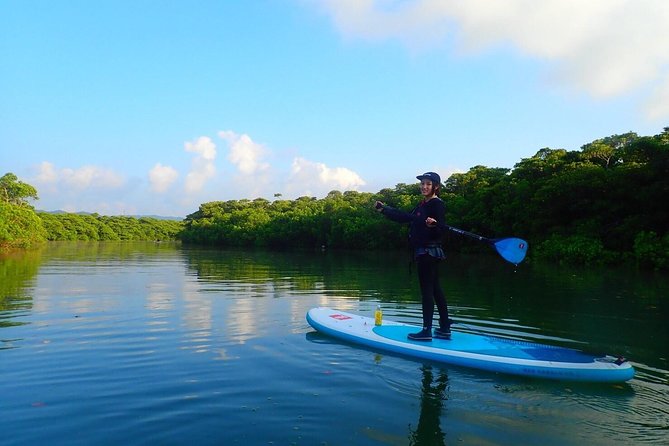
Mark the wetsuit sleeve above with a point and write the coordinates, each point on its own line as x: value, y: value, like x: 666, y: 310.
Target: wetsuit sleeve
x: 396, y: 215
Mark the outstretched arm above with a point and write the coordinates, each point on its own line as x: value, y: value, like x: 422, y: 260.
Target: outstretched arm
x: 393, y: 214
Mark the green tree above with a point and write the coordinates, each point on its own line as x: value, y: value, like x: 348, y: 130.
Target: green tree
x: 14, y: 191
x: 609, y: 151
x: 20, y: 227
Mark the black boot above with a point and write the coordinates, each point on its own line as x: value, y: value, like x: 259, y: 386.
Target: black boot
x: 442, y: 333
x: 424, y: 335
x: 444, y: 330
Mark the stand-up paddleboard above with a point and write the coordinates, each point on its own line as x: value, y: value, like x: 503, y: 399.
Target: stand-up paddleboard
x: 474, y: 350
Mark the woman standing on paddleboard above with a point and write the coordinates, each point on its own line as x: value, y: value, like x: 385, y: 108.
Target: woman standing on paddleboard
x: 427, y: 224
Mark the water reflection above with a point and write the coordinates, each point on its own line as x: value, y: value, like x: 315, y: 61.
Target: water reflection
x: 17, y: 272
x: 297, y: 272
x: 141, y: 328
x: 428, y: 432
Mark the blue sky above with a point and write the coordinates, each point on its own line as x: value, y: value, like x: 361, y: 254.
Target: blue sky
x: 154, y: 107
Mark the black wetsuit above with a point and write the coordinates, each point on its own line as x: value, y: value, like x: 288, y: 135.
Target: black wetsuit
x: 426, y: 244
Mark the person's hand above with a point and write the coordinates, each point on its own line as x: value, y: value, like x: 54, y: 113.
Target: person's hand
x: 430, y: 221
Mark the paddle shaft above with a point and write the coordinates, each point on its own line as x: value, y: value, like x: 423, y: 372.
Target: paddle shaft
x: 469, y: 234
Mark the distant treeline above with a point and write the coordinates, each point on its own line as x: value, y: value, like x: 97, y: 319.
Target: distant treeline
x: 22, y: 227
x: 602, y: 204
x: 65, y: 226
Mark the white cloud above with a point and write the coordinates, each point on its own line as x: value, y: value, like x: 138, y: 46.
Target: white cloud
x: 202, y: 167
x: 304, y: 177
x: 658, y: 104
x: 245, y: 154
x: 47, y: 173
x: 603, y: 47
x: 203, y: 146
x: 92, y: 176
x: 87, y: 188
x: 313, y: 178
x: 161, y: 177
x: 86, y: 177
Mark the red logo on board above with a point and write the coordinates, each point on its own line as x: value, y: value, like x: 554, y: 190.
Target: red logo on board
x: 340, y: 317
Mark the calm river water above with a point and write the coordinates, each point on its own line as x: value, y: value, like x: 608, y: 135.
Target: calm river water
x: 143, y: 343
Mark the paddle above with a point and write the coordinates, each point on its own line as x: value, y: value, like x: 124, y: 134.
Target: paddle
x: 512, y: 249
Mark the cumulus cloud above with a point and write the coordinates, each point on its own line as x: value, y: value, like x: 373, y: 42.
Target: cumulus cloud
x: 202, y: 167
x: 304, y: 177
x: 603, y: 47
x: 85, y: 177
x: 315, y: 178
x: 245, y: 154
x: 47, y: 173
x: 161, y: 177
x: 658, y: 105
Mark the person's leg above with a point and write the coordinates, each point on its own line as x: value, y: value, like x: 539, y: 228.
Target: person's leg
x: 440, y: 300
x: 427, y: 300
x: 435, y: 296
x: 426, y: 271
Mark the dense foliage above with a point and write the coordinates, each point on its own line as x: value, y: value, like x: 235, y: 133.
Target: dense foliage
x: 92, y: 227
x: 340, y: 220
x: 15, y: 192
x: 604, y: 203
x: 19, y: 226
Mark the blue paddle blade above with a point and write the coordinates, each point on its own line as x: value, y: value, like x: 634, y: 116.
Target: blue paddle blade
x: 511, y: 249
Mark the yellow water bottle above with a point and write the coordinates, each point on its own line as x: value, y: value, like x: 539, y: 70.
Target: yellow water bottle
x: 378, y: 315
